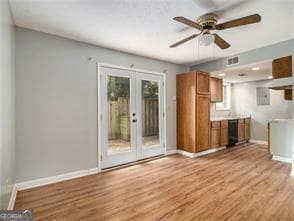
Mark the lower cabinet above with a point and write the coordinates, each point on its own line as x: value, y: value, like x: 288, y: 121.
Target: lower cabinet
x: 219, y: 133
x: 247, y: 129
x: 241, y: 130
x: 215, y: 137
x: 224, y: 131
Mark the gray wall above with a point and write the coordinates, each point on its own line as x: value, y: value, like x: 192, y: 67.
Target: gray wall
x: 244, y: 102
x: 269, y: 52
x: 7, y: 93
x: 56, y: 103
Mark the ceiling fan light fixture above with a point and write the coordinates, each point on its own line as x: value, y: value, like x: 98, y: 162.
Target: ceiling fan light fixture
x: 206, y: 39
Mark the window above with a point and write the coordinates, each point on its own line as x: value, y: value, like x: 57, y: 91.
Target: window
x: 226, y: 104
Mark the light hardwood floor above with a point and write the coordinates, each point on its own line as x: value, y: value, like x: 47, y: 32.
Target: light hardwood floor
x: 240, y: 183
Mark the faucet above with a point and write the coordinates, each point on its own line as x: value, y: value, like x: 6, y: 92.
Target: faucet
x: 230, y: 114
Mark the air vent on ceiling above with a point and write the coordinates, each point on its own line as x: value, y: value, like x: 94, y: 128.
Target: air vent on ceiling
x: 232, y: 60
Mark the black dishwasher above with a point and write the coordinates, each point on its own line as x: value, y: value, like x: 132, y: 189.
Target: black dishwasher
x: 233, y: 132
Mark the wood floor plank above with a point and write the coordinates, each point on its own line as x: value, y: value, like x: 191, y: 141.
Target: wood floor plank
x: 239, y: 183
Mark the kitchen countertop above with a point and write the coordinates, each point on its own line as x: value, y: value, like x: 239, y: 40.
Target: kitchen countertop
x: 280, y: 121
x: 228, y: 117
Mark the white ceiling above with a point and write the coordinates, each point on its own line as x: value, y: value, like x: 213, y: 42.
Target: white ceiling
x: 146, y: 27
x: 232, y: 74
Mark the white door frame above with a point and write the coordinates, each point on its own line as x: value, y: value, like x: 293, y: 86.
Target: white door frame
x: 99, y: 102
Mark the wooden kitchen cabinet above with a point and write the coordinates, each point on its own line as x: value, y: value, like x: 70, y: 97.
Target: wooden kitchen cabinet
x: 193, y: 111
x: 219, y: 133
x: 215, y: 124
x: 268, y: 138
x: 282, y: 67
x: 186, y: 110
x: 202, y: 122
x: 288, y: 94
x: 216, y: 90
x: 215, y: 134
x: 241, y: 130
x: 215, y: 137
x: 247, y: 129
x: 224, y: 133
x: 203, y: 83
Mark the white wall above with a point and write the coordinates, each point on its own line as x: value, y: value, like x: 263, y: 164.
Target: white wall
x: 7, y: 93
x: 56, y: 102
x: 244, y: 102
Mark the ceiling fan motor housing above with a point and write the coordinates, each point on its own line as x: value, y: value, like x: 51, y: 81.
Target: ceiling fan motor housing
x: 207, y: 21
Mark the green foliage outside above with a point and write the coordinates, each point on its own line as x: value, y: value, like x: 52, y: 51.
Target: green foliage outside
x: 120, y: 87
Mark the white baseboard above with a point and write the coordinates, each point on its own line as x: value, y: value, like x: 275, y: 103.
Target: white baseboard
x: 194, y: 155
x: 170, y: 152
x: 186, y: 153
x: 283, y: 159
x: 12, y: 198
x: 258, y: 142
x: 55, y: 179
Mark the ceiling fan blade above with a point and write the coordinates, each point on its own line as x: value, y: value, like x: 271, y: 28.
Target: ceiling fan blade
x: 239, y: 22
x: 184, y: 40
x: 188, y: 22
x: 221, y: 43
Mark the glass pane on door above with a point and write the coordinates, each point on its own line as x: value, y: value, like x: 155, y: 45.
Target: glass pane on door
x: 118, y: 101
x: 150, y: 113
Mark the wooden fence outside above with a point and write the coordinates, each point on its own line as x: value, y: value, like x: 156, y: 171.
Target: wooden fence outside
x: 119, y: 120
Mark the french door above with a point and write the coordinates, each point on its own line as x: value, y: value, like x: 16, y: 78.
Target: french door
x: 132, y: 116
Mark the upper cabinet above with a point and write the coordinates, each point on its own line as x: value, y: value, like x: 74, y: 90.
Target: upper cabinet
x: 282, y: 67
x: 216, y: 90
x: 288, y: 93
x: 203, y: 80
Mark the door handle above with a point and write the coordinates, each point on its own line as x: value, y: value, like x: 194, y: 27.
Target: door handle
x: 134, y: 120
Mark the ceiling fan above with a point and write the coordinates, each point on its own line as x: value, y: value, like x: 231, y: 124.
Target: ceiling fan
x: 208, y: 22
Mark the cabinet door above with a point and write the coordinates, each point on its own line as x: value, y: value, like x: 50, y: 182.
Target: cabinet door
x: 247, y: 131
x: 186, y: 86
x: 282, y: 67
x: 268, y: 138
x: 224, y: 136
x: 241, y: 131
x: 288, y: 94
x: 203, y: 85
x: 247, y: 128
x: 202, y: 122
x: 216, y: 90
x: 215, y: 137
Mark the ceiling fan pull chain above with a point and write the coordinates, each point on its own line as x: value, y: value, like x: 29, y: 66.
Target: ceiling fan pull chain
x: 213, y: 50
